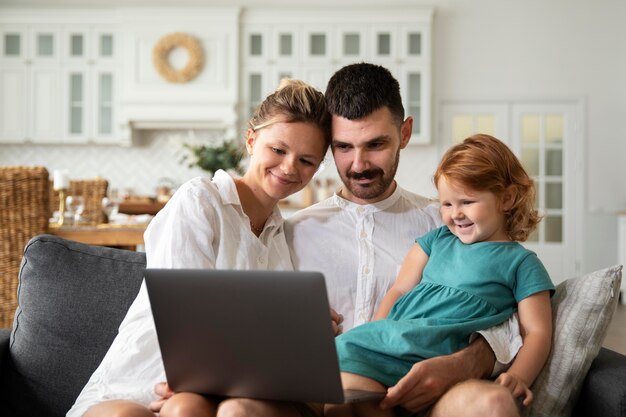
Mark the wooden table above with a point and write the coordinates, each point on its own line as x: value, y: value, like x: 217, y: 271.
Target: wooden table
x: 126, y: 236
x: 143, y: 206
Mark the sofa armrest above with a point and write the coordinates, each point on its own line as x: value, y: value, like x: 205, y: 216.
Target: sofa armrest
x: 604, y: 390
x: 5, y: 335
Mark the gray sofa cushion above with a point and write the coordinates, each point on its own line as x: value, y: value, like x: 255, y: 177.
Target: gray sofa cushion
x: 604, y: 390
x: 72, y: 298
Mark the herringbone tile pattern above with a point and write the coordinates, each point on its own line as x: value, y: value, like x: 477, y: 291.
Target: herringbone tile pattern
x: 138, y: 168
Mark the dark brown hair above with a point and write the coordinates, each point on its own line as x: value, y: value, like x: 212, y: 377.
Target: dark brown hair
x: 356, y: 91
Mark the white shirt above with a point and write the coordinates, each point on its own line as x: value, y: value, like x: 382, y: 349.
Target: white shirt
x: 360, y: 248
x: 202, y: 226
x: 341, y: 238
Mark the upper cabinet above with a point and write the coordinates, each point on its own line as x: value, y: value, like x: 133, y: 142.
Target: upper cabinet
x: 30, y: 83
x: 90, y: 74
x: 58, y: 77
x: 100, y: 75
x: 313, y: 44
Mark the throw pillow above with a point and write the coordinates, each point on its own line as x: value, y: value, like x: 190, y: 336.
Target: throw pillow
x: 582, y: 309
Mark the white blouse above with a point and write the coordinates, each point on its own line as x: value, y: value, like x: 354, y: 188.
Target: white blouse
x: 202, y: 226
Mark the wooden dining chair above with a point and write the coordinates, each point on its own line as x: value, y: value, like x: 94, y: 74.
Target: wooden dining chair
x: 92, y: 190
x: 24, y: 213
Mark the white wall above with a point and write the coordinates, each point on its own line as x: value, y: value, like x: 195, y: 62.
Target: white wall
x: 558, y: 48
x: 482, y: 49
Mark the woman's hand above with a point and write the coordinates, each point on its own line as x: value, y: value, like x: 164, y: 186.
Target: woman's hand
x: 518, y: 388
x: 336, y: 319
x: 163, y: 391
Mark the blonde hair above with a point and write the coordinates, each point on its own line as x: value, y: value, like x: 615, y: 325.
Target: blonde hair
x: 293, y: 101
x: 483, y: 163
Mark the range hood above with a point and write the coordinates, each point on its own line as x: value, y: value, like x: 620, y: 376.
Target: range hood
x: 208, y: 100
x: 182, y: 116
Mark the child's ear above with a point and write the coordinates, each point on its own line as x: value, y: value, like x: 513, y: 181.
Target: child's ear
x: 508, y: 198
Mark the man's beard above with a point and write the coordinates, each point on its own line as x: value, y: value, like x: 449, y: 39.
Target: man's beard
x: 382, y: 181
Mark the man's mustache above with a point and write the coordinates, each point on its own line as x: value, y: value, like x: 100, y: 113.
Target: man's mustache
x: 367, y: 174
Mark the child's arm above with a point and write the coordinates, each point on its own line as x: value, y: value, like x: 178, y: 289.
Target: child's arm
x: 535, y: 314
x: 409, y: 276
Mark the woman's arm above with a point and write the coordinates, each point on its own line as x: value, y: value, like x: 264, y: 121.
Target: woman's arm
x: 535, y: 315
x: 409, y: 276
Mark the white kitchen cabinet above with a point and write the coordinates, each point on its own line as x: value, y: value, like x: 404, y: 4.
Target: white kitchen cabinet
x: 57, y: 77
x: 30, y: 79
x: 312, y: 45
x: 90, y: 79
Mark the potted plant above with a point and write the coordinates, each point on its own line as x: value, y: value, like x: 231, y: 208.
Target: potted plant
x: 226, y: 155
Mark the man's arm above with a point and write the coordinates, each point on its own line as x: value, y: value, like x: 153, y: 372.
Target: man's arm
x: 428, y: 380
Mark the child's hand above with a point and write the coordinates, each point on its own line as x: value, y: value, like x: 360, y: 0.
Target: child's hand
x: 163, y: 391
x: 517, y: 387
x: 336, y: 319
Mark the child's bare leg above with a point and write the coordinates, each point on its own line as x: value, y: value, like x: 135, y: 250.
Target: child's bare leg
x: 186, y: 404
x: 360, y: 409
x: 118, y: 408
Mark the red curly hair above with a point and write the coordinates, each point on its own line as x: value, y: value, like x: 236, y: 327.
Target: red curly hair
x: 484, y: 163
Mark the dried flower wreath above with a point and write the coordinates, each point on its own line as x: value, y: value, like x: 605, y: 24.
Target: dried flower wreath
x: 162, y: 50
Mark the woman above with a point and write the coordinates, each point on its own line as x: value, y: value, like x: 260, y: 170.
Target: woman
x: 224, y: 223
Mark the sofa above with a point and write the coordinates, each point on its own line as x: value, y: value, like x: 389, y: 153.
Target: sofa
x: 72, y: 297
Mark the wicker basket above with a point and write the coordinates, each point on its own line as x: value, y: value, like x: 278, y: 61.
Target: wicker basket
x: 92, y: 191
x: 24, y: 198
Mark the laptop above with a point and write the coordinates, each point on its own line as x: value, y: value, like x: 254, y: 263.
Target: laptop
x: 252, y: 334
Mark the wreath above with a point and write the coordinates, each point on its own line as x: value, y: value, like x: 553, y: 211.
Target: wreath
x: 161, y: 52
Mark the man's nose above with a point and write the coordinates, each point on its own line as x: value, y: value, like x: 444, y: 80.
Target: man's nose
x: 359, y: 162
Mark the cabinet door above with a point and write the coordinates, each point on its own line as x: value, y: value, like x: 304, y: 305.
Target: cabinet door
x: 13, y: 94
x: 103, y: 108
x: 414, y: 44
x: 384, y: 44
x: 416, y: 98
x: 77, y: 103
x: 104, y: 45
x: 43, y: 46
x: 256, y: 45
x: 13, y: 48
x: 317, y: 45
x: 285, y: 45
x: 351, y: 45
x: 46, y: 109
x: 91, y: 83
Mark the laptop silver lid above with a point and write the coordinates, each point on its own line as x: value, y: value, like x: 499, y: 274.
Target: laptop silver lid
x: 254, y: 334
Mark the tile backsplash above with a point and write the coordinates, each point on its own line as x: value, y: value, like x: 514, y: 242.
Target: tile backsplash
x: 155, y: 156
x: 136, y: 169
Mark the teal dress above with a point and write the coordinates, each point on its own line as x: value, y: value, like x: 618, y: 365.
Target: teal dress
x: 464, y: 288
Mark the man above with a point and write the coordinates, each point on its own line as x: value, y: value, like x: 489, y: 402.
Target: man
x: 358, y: 239
x: 359, y: 236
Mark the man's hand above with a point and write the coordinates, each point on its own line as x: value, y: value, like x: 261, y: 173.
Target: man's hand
x: 336, y: 319
x: 517, y: 387
x: 429, y: 379
x: 164, y: 392
x: 422, y: 386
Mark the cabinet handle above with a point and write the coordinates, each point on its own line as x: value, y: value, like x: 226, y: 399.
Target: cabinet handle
x: 28, y: 62
x: 91, y: 62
